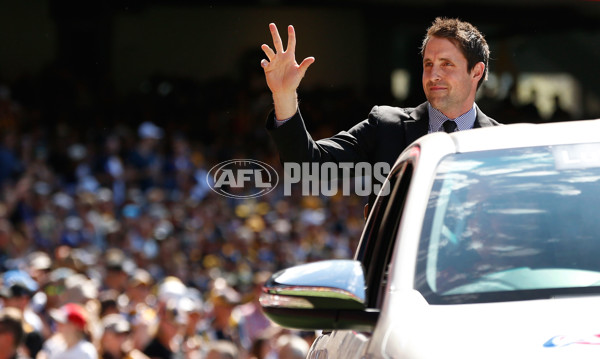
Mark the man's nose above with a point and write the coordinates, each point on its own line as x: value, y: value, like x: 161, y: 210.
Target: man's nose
x: 434, y: 73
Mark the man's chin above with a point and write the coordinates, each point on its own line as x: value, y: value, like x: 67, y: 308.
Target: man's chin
x: 436, y: 103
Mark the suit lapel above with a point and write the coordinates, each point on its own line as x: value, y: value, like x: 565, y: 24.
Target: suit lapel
x: 482, y: 120
x: 418, y: 125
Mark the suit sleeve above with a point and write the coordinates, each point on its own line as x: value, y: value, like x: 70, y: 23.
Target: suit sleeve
x: 295, y: 144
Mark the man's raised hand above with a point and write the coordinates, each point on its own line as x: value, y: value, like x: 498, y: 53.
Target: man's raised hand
x: 282, y: 72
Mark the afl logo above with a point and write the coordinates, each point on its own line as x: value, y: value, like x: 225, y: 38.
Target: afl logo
x: 242, y: 178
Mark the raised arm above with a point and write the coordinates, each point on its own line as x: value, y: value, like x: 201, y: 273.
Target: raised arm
x: 282, y: 72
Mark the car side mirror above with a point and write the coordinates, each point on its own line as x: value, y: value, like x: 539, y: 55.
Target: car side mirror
x: 328, y: 295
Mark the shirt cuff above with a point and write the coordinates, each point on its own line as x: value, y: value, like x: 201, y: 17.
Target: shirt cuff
x: 281, y: 122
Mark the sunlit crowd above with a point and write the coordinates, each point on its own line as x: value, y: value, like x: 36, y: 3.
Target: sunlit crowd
x: 112, y: 244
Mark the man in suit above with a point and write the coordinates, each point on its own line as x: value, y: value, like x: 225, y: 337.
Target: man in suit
x: 455, y: 64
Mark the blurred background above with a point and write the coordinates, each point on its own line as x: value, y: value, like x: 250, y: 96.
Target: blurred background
x: 112, y: 112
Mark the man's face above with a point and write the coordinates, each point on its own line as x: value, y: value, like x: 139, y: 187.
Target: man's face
x: 19, y: 300
x: 448, y: 86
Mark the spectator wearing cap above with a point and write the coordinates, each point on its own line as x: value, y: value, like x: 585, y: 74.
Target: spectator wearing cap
x: 40, y: 266
x: 193, y: 305
x: 116, y: 277
x: 71, y: 340
x: 116, y: 342
x: 11, y: 333
x: 139, y: 287
x: 224, y: 325
x: 152, y: 320
x: 140, y: 305
x: 167, y: 341
x: 16, y: 292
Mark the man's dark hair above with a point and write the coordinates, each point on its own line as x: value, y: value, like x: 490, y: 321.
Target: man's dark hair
x: 466, y: 37
x: 11, y: 321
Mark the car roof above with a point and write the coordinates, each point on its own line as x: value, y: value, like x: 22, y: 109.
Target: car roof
x: 514, y: 136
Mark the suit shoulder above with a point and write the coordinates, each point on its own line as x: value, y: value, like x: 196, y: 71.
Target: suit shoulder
x: 490, y: 122
x: 390, y: 114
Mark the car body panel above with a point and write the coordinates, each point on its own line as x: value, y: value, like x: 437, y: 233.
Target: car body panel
x: 553, y: 328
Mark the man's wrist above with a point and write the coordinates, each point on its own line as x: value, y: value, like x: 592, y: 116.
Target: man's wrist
x: 286, y: 105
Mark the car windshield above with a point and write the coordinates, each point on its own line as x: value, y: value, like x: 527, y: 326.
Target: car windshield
x: 512, y: 224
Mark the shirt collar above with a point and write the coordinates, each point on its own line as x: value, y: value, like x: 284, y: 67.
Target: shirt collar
x: 463, y: 122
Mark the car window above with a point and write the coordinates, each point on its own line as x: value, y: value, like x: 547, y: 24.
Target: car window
x: 380, y: 233
x: 512, y: 224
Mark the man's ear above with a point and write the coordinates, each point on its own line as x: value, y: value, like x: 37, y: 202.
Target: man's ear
x: 478, y: 71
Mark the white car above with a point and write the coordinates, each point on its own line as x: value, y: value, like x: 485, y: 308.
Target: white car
x: 488, y: 246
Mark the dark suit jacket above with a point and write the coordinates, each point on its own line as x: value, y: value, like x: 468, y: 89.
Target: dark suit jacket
x: 380, y: 138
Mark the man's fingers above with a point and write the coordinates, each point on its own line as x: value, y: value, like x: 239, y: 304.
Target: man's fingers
x: 268, y: 51
x: 305, y: 64
x: 291, y: 39
x: 291, y: 47
x: 276, y: 38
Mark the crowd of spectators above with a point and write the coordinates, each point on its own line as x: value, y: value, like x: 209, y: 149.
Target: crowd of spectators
x: 112, y: 244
